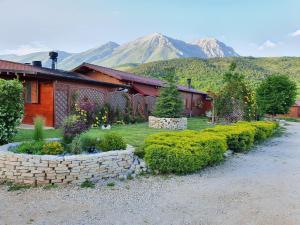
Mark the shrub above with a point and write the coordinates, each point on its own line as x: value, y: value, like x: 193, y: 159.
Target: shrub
x: 38, y: 134
x: 75, y: 146
x: 87, y: 184
x: 32, y: 147
x: 236, y: 99
x: 276, y: 95
x: 89, y: 142
x: 73, y: 126
x: 11, y: 108
x: 87, y: 111
x: 140, y: 152
x: 183, y: 152
x: 52, y: 148
x: 239, y: 137
x: 264, y: 129
x: 112, y: 141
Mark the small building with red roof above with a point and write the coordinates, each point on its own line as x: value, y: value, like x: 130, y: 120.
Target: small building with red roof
x: 47, y: 92
x: 195, y: 102
x: 43, y: 88
x: 295, y: 110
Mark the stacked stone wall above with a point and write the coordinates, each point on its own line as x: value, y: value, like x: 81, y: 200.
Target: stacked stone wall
x: 168, y: 123
x: 38, y: 170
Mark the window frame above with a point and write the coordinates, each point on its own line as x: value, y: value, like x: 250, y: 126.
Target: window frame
x: 28, y: 97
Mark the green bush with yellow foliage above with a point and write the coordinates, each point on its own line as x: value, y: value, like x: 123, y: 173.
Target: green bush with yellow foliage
x: 182, y: 152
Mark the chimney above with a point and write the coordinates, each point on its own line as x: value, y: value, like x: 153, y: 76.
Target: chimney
x: 189, y: 82
x: 53, y: 57
x: 37, y: 63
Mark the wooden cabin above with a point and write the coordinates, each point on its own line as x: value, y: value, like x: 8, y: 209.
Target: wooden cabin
x: 196, y: 102
x: 48, y: 92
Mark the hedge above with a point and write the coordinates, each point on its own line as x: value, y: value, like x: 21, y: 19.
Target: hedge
x: 11, y: 108
x: 183, y: 152
x: 188, y: 151
x: 239, y: 137
x: 264, y: 129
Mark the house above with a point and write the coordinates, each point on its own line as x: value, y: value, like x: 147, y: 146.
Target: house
x: 49, y: 92
x: 46, y: 90
x: 195, y: 102
x: 295, y: 110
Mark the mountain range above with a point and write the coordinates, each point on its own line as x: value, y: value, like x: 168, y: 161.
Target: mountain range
x: 150, y: 48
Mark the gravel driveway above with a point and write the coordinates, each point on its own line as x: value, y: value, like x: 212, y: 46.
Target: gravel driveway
x: 258, y: 188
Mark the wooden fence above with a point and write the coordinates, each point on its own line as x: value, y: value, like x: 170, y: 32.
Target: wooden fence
x: 121, y: 101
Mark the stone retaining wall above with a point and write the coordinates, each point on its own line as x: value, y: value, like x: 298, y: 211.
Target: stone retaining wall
x: 168, y: 123
x: 36, y: 169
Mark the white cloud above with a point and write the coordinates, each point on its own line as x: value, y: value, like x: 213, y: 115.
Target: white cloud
x: 267, y: 44
x: 26, y: 49
x: 295, y: 34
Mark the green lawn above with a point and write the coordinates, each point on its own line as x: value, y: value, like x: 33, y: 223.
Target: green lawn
x: 134, y: 134
x: 289, y: 119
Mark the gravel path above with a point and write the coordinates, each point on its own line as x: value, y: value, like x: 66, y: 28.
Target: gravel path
x: 258, y: 188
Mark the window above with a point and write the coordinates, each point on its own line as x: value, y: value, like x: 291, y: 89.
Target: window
x: 31, y: 92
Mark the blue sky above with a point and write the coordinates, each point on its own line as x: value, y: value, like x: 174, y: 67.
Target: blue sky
x: 256, y: 27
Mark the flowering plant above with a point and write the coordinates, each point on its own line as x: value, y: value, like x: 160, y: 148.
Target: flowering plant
x: 73, y: 126
x: 87, y: 111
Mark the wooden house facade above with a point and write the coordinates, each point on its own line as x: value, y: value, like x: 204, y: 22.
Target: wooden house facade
x: 47, y: 92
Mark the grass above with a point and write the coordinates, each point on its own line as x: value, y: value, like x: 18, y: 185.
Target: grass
x: 289, y: 119
x: 50, y: 186
x: 111, y: 184
x: 18, y: 187
x: 134, y: 134
x: 27, y: 135
x: 130, y: 177
x: 87, y: 184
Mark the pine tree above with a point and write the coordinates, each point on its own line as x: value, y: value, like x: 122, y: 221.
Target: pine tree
x: 169, y: 103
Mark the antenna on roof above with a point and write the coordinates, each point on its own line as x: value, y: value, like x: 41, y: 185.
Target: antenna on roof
x: 53, y: 57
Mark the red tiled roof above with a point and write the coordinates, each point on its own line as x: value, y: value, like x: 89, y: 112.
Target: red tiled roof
x: 125, y: 76
x: 14, y: 67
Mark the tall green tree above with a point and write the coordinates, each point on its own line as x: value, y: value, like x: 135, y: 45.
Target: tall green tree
x: 276, y: 95
x: 236, y: 98
x: 169, y: 103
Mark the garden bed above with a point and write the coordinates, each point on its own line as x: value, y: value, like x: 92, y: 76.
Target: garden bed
x: 47, y: 169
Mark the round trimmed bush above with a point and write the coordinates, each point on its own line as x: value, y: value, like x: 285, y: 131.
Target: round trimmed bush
x: 111, y: 141
x: 239, y: 137
x: 183, y: 152
x: 263, y: 129
x: 52, y: 148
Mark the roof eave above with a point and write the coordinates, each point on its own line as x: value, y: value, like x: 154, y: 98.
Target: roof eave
x: 85, y: 80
